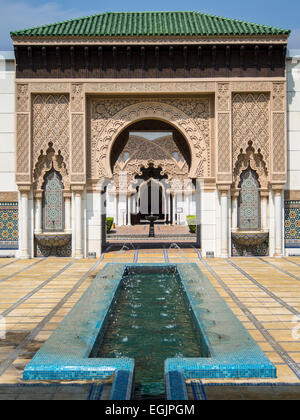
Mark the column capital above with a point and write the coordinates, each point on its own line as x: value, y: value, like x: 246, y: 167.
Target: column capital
x: 77, y: 189
x: 38, y: 194
x: 235, y: 192
x: 67, y: 193
x: 24, y: 188
x: 209, y: 184
x: 264, y: 193
x: 224, y: 188
x: 278, y: 188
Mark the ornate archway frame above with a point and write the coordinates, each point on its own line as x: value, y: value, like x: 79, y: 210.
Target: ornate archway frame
x: 143, y: 154
x: 254, y: 160
x: 220, y: 165
x: 45, y: 163
x: 158, y: 110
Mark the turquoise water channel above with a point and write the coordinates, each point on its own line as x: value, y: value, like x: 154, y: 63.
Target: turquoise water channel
x: 150, y: 322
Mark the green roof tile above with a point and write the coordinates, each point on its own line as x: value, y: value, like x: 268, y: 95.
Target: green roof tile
x: 150, y: 24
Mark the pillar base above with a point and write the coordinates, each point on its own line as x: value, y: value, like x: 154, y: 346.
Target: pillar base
x: 223, y: 255
x: 23, y: 255
x: 278, y: 255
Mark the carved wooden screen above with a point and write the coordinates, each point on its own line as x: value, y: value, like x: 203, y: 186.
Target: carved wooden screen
x: 53, y: 203
x: 249, y: 201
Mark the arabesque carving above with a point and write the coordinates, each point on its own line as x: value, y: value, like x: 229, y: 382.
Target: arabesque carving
x: 50, y: 123
x: 109, y: 117
x: 47, y: 161
x: 142, y: 153
x: 251, y: 122
x: 256, y: 162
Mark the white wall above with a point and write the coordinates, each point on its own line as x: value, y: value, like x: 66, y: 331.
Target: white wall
x: 7, y: 124
x: 293, y: 97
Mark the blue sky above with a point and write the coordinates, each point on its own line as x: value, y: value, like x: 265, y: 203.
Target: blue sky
x: 21, y: 14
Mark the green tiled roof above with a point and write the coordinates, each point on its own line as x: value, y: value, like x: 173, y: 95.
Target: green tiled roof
x: 150, y: 24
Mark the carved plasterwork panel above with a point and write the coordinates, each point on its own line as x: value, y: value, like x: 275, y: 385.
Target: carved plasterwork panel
x: 50, y: 123
x: 278, y: 96
x: 109, y: 117
x: 77, y: 143
x: 23, y: 144
x: 223, y: 102
x: 254, y: 159
x: 279, y: 131
x: 22, y: 97
x: 50, y: 159
x: 279, y: 153
x: 77, y: 97
x: 251, y: 122
x: 150, y: 87
x: 141, y: 153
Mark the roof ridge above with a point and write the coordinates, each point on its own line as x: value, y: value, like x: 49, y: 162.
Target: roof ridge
x: 212, y: 25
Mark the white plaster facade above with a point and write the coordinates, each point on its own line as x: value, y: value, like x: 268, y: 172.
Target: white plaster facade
x: 214, y: 205
x: 7, y: 122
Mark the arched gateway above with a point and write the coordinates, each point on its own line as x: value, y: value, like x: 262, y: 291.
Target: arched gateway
x: 105, y: 115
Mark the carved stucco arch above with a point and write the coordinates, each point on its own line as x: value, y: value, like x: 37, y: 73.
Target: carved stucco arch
x: 159, y: 111
x: 45, y: 163
x: 256, y: 162
x: 143, y: 154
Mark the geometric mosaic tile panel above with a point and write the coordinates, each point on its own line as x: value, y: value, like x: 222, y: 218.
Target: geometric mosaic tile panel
x: 251, y: 250
x: 55, y: 251
x: 9, y: 231
x: 292, y: 224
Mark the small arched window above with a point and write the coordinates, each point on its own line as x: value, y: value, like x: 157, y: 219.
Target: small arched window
x: 53, y: 203
x: 249, y: 201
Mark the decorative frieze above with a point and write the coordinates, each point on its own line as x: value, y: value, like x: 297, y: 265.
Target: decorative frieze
x: 23, y: 148
x: 251, y: 123
x: 77, y: 146
x: 223, y: 103
x: 50, y: 123
x: 22, y: 97
x: 279, y: 141
x: 110, y: 117
x: 78, y: 137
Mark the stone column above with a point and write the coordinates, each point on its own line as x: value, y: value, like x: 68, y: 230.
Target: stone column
x: 264, y: 195
x: 234, y: 210
x: 38, y: 212
x: 278, y: 220
x: 24, y: 225
x: 224, y: 220
x: 67, y: 197
x: 129, y: 199
x: 78, y: 222
x: 174, y: 208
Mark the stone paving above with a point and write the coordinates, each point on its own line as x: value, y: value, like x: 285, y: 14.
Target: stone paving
x: 264, y: 293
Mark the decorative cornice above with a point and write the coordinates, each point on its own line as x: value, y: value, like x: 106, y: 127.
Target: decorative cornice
x: 192, y: 40
x: 9, y: 196
x: 292, y: 195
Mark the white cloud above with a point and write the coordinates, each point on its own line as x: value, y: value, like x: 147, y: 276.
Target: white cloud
x: 22, y: 14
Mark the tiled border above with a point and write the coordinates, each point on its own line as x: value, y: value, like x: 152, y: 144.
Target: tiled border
x: 22, y: 346
x: 22, y: 270
x: 290, y: 261
x: 37, y: 289
x: 66, y: 353
x: 264, y: 289
x: 273, y: 343
x: 12, y: 262
x: 234, y: 353
x: 280, y: 269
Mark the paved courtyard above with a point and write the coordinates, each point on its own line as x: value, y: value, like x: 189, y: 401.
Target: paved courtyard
x: 264, y: 293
